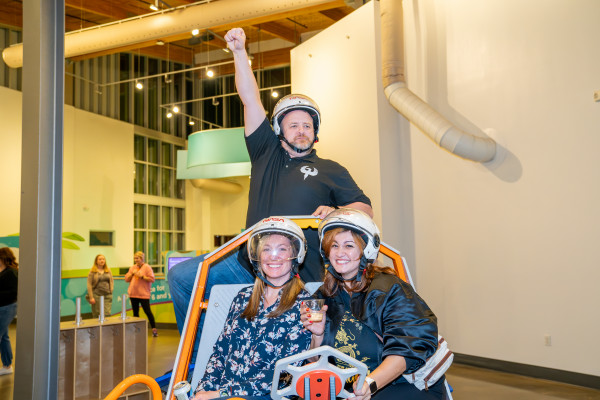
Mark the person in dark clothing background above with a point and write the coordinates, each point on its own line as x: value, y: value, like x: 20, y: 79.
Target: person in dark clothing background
x: 8, y: 305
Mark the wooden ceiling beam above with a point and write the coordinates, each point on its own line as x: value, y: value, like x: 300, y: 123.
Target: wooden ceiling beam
x: 282, y: 15
x: 267, y: 59
x: 103, y: 8
x: 280, y: 31
x: 11, y: 14
x: 334, y: 14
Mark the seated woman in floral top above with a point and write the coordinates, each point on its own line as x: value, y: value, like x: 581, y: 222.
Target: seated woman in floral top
x: 263, y: 324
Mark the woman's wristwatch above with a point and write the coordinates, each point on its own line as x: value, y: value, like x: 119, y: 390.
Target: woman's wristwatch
x: 372, y: 384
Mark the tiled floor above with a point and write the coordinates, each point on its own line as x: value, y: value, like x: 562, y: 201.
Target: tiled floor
x: 469, y: 383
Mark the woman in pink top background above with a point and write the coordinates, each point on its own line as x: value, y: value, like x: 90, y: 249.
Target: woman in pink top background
x: 140, y: 278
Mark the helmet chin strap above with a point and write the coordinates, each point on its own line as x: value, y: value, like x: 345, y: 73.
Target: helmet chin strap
x: 361, y: 270
x: 293, y: 273
x: 296, y: 149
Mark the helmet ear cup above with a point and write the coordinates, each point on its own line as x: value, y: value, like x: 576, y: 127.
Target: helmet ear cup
x: 276, y: 127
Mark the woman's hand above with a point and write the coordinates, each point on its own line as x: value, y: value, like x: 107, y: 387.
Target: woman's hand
x: 316, y: 328
x: 363, y: 393
x: 92, y: 300
x: 206, y: 395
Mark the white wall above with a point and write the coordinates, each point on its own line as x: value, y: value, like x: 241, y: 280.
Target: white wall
x: 97, y: 180
x: 10, y: 161
x: 338, y: 69
x: 210, y: 213
x: 516, y: 241
x: 97, y: 186
x: 506, y: 252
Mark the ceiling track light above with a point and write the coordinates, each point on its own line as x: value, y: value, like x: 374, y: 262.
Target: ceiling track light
x: 175, y: 109
x: 191, y: 122
x: 139, y: 85
x: 154, y: 7
x: 169, y: 114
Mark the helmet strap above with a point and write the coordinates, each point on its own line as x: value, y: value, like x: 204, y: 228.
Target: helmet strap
x: 293, y: 274
x: 333, y: 272
x: 296, y: 149
x: 361, y: 268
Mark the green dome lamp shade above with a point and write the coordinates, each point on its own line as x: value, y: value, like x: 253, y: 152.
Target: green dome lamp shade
x: 213, y: 154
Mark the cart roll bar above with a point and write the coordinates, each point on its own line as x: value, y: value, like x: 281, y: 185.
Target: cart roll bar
x: 197, y: 303
x: 132, y: 380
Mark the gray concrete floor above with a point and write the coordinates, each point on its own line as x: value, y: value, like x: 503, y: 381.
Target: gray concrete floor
x: 469, y: 383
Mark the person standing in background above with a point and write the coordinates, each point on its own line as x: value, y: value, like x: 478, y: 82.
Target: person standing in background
x: 140, y: 278
x: 9, y: 269
x: 100, y: 283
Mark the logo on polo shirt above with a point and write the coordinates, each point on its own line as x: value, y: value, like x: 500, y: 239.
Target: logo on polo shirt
x: 308, y: 171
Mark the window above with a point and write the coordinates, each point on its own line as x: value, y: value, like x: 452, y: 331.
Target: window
x: 102, y: 238
x: 155, y: 169
x: 159, y: 209
x: 158, y: 229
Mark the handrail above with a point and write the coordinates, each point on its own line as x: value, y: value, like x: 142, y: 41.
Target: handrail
x: 132, y: 380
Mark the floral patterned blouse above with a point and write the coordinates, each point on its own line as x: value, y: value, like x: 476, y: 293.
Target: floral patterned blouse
x: 245, y: 353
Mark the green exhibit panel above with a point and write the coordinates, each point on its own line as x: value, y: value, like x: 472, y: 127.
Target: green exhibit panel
x: 160, y: 298
x: 95, y: 357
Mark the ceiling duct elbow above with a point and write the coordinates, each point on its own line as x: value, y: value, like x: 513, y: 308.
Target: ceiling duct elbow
x: 419, y: 113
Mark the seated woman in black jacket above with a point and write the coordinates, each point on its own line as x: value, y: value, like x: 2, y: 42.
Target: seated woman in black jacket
x: 372, y: 315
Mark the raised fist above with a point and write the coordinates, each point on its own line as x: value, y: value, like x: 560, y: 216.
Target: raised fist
x: 236, y: 39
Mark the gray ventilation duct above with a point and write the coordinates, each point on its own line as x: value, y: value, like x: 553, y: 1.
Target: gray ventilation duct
x: 164, y: 24
x: 419, y: 113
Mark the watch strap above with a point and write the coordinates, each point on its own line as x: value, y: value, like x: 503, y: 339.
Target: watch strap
x: 372, y: 384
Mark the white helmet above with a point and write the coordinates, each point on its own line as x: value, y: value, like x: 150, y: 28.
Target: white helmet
x: 357, y: 221
x: 293, y: 102
x: 279, y: 226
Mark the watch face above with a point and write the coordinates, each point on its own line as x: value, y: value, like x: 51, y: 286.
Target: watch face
x: 372, y: 385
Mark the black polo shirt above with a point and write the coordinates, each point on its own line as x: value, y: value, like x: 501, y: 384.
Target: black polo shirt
x: 281, y: 186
